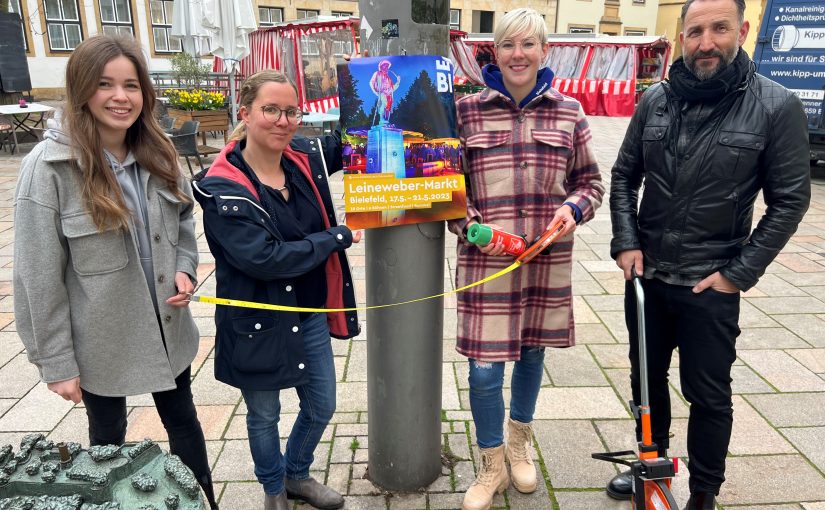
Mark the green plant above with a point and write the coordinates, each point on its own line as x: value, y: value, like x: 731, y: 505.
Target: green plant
x: 354, y: 444
x: 188, y: 70
x: 195, y: 100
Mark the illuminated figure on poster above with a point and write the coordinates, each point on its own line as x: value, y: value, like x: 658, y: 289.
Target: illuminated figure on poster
x: 383, y: 86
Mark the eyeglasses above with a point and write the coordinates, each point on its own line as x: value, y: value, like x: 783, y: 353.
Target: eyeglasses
x: 273, y: 113
x: 508, y: 46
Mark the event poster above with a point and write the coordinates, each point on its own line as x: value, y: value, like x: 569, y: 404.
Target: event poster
x: 402, y: 157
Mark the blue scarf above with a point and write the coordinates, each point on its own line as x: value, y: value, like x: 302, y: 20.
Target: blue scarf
x: 494, y: 80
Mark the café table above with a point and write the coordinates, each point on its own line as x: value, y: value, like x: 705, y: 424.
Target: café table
x: 25, y: 119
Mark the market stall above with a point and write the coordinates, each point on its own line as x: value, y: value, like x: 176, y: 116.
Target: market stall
x: 307, y: 51
x: 606, y: 74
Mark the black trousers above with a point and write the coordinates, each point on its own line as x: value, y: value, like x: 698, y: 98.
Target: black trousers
x: 704, y: 327
x: 107, y: 423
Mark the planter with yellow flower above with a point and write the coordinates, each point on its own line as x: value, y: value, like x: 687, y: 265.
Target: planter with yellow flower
x: 206, y: 107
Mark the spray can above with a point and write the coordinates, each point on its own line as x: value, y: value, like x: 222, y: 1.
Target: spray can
x: 483, y: 235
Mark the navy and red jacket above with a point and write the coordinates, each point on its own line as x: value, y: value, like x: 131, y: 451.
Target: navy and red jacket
x: 263, y: 349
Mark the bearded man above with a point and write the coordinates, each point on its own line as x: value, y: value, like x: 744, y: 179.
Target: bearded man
x: 704, y: 143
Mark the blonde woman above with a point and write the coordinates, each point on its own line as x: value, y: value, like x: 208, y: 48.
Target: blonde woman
x: 528, y: 159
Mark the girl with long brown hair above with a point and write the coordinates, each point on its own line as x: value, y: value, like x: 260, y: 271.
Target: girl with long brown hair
x: 105, y: 254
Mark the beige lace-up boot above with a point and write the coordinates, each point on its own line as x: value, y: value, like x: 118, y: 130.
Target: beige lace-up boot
x: 491, y: 479
x: 520, y: 456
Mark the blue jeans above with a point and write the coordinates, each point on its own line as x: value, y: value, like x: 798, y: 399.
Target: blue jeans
x: 487, y: 398
x: 317, y: 404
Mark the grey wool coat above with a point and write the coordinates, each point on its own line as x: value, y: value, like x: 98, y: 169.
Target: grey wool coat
x: 81, y: 303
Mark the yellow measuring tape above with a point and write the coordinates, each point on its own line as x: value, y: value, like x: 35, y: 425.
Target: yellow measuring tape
x: 266, y: 306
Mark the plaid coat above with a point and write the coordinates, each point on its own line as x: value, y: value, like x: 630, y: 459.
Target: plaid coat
x: 521, y: 165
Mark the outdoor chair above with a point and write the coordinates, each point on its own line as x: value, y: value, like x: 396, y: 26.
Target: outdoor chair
x: 186, y: 143
x: 5, y: 133
x: 167, y: 123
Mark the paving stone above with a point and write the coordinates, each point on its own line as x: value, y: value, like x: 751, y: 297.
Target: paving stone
x: 234, y: 463
x: 351, y: 429
x: 767, y: 507
x: 810, y: 441
x: 208, y: 390
x: 768, y: 338
x: 615, y: 323
x: 338, y: 477
x: 365, y: 503
x: 775, y: 286
x: 573, y: 367
x: 566, y: 447
x: 572, y: 500
x: 582, y: 312
x: 538, y: 500
x: 620, y: 379
x: 464, y: 475
x: 611, y: 356
x: 445, y: 501
x: 790, y: 304
x: 459, y: 446
x: 745, y: 380
x: 408, y: 501
x: 10, y: 346
x: 613, y: 283
x: 593, y: 334
x: 792, y: 479
x: 814, y: 506
x: 357, y: 366
x: 449, y: 390
x: 578, y: 403
x: 73, y: 427
x: 242, y: 495
x: 791, y: 409
x: 752, y: 317
x: 752, y: 435
x: 39, y: 410
x: 6, y: 404
x: 351, y: 396
x: 620, y: 435
x: 782, y: 371
x: 812, y: 359
x: 19, y: 377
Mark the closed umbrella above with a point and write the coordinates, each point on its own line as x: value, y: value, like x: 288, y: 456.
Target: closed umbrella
x: 187, y: 25
x: 229, y: 25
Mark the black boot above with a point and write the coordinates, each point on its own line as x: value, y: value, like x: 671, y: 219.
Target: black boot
x: 621, y: 486
x: 701, y: 501
x: 206, y: 484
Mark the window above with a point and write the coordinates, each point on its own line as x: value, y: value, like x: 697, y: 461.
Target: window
x: 63, y: 24
x: 14, y: 6
x: 635, y: 31
x: 579, y: 30
x: 483, y: 22
x: 270, y: 15
x: 341, y: 14
x: 116, y: 17
x: 307, y: 13
x: 455, y: 19
x: 341, y: 48
x: 161, y: 11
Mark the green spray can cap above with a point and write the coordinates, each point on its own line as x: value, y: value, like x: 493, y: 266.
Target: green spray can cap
x: 479, y: 234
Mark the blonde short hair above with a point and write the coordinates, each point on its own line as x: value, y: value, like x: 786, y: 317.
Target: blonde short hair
x: 521, y: 21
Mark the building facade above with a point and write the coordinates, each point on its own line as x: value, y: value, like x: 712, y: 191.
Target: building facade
x: 669, y: 22
x: 53, y: 28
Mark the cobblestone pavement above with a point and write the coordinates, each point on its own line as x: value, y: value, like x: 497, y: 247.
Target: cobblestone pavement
x: 777, y: 453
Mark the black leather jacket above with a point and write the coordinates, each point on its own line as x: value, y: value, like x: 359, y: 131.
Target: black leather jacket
x: 696, y: 211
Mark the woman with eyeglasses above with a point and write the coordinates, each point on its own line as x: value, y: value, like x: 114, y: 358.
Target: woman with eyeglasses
x: 270, y: 224
x: 528, y: 160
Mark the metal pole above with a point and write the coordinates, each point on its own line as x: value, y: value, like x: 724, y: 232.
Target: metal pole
x: 404, y: 344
